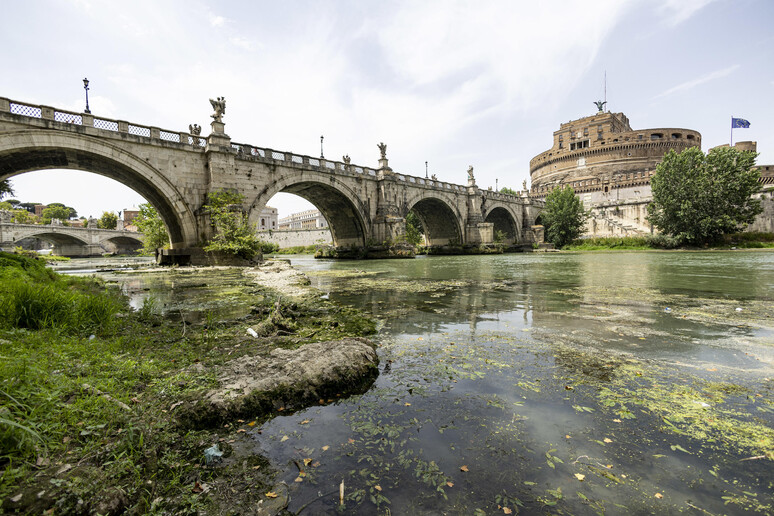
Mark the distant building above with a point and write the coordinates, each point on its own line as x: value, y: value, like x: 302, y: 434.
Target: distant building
x: 268, y: 219
x: 603, y: 159
x: 309, y: 219
x: 129, y: 216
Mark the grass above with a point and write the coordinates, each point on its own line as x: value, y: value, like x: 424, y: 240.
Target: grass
x: 299, y: 249
x: 751, y: 240
x: 87, y: 390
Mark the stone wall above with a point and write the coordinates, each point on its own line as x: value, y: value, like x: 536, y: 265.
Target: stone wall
x: 765, y: 221
x: 296, y: 238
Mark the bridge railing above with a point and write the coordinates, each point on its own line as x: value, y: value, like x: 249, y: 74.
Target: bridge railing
x: 246, y: 151
x: 100, y: 123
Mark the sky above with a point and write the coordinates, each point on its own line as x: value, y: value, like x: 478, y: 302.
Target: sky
x: 450, y: 83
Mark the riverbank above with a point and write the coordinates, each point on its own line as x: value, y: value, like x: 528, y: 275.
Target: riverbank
x: 117, y: 411
x: 662, y: 242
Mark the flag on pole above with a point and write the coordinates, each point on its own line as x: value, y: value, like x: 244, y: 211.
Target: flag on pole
x: 737, y: 123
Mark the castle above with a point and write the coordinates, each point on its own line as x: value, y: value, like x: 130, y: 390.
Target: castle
x: 609, y: 165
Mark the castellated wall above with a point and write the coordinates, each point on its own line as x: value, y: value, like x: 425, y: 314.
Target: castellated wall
x: 295, y: 238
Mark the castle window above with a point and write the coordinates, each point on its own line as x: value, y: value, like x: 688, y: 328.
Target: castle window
x: 656, y: 136
x: 676, y: 136
x: 561, y: 145
x: 263, y: 222
x: 690, y: 137
x: 639, y: 137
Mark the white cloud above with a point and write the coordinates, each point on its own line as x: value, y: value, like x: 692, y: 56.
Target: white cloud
x: 717, y: 74
x: 217, y: 21
x: 675, y: 12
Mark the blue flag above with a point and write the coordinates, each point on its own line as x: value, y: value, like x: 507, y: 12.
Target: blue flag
x: 739, y: 122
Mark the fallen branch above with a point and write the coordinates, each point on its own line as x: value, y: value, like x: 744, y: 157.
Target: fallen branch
x: 754, y: 458
x: 108, y: 397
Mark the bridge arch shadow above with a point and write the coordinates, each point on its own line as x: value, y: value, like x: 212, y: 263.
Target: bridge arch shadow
x: 27, y: 151
x: 505, y: 224
x: 347, y: 218
x: 439, y: 220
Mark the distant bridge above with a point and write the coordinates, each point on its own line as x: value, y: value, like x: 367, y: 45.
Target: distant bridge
x: 71, y: 241
x: 175, y: 171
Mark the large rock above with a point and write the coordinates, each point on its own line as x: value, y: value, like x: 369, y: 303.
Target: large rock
x: 253, y: 387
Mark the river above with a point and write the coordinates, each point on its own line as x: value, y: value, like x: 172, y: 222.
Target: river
x: 569, y: 383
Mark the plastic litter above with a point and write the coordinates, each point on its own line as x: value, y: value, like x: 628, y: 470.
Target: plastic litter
x: 667, y: 309
x: 212, y: 454
x: 252, y: 332
x: 738, y: 309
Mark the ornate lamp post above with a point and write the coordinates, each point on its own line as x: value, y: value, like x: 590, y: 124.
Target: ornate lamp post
x: 86, y: 87
x: 321, y: 148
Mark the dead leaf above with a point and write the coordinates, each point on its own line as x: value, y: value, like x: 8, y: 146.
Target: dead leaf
x: 408, y: 404
x: 257, y: 467
x: 450, y: 484
x: 64, y: 469
x: 378, y: 488
x: 567, y: 436
x: 568, y: 387
x: 607, y: 440
x: 251, y: 423
x: 284, y: 438
x: 15, y: 499
x: 616, y: 421
x: 580, y: 476
x: 325, y: 448
x: 658, y: 495
x: 506, y: 510
x: 299, y: 479
x: 350, y: 441
x: 241, y: 430
x: 271, y: 494
x: 464, y: 468
x: 307, y: 462
x: 304, y: 422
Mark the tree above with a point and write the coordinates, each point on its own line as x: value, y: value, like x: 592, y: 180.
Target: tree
x: 509, y: 191
x: 698, y: 197
x: 563, y: 216
x: 149, y: 223
x: 55, y: 211
x: 23, y: 217
x: 108, y: 220
x: 414, y: 229
x: 4, y: 205
x: 5, y: 188
x: 233, y: 232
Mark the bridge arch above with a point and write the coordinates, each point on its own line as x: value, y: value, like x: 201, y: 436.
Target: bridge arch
x: 507, y: 222
x: 347, y: 218
x: 440, y: 219
x: 26, y: 151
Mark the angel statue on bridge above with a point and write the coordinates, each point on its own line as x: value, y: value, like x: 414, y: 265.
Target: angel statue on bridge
x: 220, y: 108
x: 195, y: 129
x: 471, y: 179
x: 383, y: 149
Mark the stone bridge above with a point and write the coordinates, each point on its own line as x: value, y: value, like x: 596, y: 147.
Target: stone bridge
x: 174, y: 171
x: 70, y: 241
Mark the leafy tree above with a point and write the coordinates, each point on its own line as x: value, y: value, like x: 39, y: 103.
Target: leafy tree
x: 507, y: 190
x: 4, y: 205
x: 233, y: 232
x: 414, y: 229
x: 15, y: 203
x: 108, y: 220
x: 563, y: 216
x: 29, y: 206
x: 149, y: 223
x: 5, y: 188
x: 55, y: 211
x: 71, y: 214
x: 697, y: 197
x: 23, y: 217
